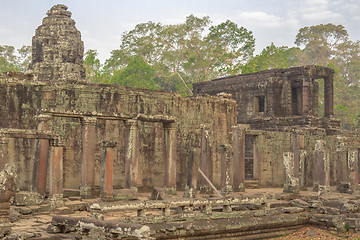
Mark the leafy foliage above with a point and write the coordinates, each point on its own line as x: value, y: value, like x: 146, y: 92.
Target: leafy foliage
x: 183, y: 54
x: 12, y: 61
x: 137, y: 74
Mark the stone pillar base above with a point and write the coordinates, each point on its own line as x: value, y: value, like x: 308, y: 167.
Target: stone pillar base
x: 343, y: 188
x: 323, y: 190
x: 189, y: 193
x: 170, y: 190
x: 291, y: 188
x: 56, y: 201
x: 5, y: 229
x: 86, y: 192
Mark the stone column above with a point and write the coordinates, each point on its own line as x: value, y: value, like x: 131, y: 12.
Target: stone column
x: 56, y: 173
x: 42, y: 156
x: 353, y: 170
x: 192, y: 172
x: 107, y: 170
x: 4, y: 157
x: 322, y: 156
x: 226, y: 169
x: 170, y: 155
x: 88, y: 156
x: 239, y: 157
x: 328, y: 97
x: 204, y: 160
x: 302, y: 170
x: 306, y: 100
x: 291, y: 184
x: 132, y: 153
x: 342, y: 171
x: 8, y: 188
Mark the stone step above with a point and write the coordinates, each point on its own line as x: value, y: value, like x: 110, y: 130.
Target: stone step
x: 252, y: 184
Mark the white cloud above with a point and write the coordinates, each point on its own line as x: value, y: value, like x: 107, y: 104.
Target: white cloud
x: 265, y: 19
x: 321, y: 15
x: 319, y: 10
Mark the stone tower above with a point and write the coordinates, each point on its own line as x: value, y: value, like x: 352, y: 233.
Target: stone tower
x: 57, y: 49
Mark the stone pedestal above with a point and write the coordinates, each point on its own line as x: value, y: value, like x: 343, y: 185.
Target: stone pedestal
x: 88, y: 157
x: 291, y: 184
x: 170, y: 155
x: 42, y: 156
x: 132, y: 153
x: 226, y: 169
x: 107, y: 170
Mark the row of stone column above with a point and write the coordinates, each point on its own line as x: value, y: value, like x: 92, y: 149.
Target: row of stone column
x: 131, y: 159
x: 49, y: 155
x: 232, y: 166
x: 346, y: 167
x: 53, y: 159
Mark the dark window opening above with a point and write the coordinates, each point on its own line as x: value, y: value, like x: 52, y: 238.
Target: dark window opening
x: 249, y: 157
x: 260, y: 103
x: 294, y: 101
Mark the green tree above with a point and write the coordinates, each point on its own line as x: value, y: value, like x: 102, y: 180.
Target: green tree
x: 232, y: 46
x: 322, y: 42
x: 273, y: 57
x: 14, y: 60
x: 185, y: 53
x: 137, y: 74
x: 93, y: 66
x: 328, y: 45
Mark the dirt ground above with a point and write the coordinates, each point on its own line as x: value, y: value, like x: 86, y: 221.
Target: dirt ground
x: 311, y: 233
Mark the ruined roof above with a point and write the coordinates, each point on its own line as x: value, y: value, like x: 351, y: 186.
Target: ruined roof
x: 267, y: 76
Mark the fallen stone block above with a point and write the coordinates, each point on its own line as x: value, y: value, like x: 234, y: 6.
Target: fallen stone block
x: 119, y: 230
x: 64, y: 211
x: 299, y: 203
x: 28, y: 198
x: 159, y: 193
x: 125, y: 194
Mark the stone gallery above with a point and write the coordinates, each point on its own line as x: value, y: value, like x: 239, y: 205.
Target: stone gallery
x: 65, y: 140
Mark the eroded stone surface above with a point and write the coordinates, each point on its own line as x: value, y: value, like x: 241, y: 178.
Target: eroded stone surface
x: 57, y: 49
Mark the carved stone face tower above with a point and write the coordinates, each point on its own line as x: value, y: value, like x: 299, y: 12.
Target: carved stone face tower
x: 57, y: 49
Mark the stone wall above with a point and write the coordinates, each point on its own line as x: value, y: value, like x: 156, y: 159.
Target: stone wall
x: 112, y: 106
x: 279, y: 97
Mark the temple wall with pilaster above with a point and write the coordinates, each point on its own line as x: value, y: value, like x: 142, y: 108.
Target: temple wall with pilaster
x: 111, y: 107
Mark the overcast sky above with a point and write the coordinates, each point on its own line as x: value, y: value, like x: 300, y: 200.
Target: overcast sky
x: 102, y: 22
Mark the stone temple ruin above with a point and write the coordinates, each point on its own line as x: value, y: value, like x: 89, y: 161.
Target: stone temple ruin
x: 69, y: 144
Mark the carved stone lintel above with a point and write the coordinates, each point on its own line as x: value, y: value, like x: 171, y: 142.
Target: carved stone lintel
x: 170, y: 126
x: 109, y: 144
x: 88, y: 120
x: 131, y: 123
x: 43, y: 117
x: 57, y: 142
